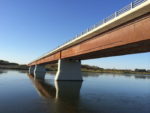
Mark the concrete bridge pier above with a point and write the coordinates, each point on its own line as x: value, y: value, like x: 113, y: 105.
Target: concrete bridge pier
x: 31, y: 70
x: 69, y: 70
x: 39, y: 72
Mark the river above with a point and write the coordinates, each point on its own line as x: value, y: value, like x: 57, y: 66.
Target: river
x: 98, y: 93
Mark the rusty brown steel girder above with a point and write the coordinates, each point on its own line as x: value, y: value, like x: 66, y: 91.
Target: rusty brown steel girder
x: 128, y: 38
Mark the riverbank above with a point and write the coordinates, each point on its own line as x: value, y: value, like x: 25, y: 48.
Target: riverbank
x: 84, y: 68
x: 96, y: 69
x: 116, y: 71
x: 13, y: 66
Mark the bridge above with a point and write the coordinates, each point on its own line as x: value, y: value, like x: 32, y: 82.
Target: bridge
x: 127, y: 31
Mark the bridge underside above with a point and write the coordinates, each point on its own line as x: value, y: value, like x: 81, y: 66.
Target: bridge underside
x: 138, y: 47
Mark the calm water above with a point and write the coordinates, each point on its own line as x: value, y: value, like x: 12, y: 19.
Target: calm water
x: 98, y: 93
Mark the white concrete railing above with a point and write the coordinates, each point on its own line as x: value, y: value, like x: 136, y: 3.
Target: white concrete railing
x: 114, y: 15
x: 104, y: 21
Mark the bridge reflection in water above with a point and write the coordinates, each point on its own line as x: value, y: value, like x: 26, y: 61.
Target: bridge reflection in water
x: 62, y: 93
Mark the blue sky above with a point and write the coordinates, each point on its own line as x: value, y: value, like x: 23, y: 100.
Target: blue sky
x: 30, y: 28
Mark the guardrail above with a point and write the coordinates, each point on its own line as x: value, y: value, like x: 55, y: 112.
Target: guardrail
x: 114, y: 15
x: 107, y: 19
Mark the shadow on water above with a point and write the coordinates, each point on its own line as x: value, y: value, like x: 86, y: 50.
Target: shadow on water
x: 45, y: 90
x: 62, y: 93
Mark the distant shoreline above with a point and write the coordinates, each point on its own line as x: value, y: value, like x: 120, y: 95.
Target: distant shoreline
x: 85, y: 68
x: 117, y: 72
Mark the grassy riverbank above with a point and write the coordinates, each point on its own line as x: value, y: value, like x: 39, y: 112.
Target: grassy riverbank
x: 10, y: 65
x: 95, y: 69
x: 84, y: 68
x: 115, y: 71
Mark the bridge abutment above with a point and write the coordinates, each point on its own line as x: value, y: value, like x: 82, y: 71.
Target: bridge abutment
x: 39, y: 72
x: 69, y: 70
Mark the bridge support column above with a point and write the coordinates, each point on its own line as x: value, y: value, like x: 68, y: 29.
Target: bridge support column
x: 69, y: 70
x: 31, y: 70
x: 39, y: 72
